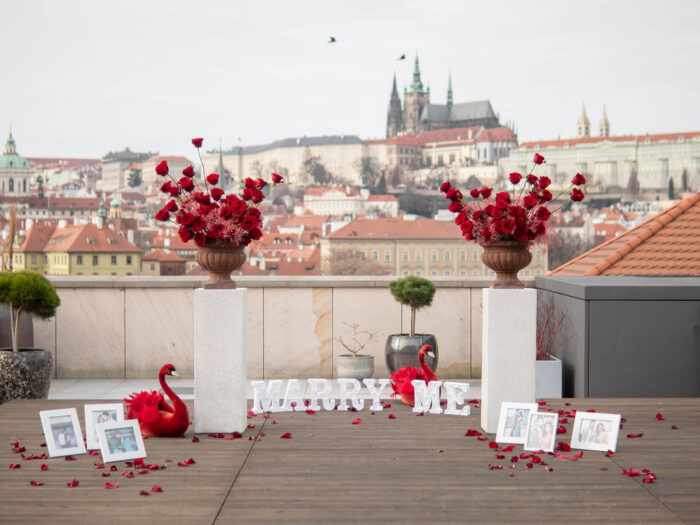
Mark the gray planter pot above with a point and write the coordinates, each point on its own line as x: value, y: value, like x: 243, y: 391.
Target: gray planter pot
x: 359, y: 367
x: 25, y: 374
x: 401, y: 350
x: 548, y: 376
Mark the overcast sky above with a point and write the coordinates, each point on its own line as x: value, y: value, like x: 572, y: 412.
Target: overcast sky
x: 80, y: 78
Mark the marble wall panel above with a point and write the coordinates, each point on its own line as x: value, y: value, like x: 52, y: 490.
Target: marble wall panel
x: 90, y: 333
x: 255, y: 349
x: 449, y: 319
x: 297, y: 332
x: 159, y: 330
x: 45, y: 337
x: 477, y: 316
x: 375, y: 310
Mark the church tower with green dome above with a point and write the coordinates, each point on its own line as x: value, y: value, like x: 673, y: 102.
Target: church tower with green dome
x: 15, y: 171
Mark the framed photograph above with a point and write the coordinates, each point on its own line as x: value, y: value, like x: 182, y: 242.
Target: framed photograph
x: 62, y: 432
x: 595, y: 431
x: 512, y: 422
x: 95, y: 414
x: 542, y: 431
x: 120, y: 440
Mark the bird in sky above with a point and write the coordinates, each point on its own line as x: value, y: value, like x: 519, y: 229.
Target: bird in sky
x: 402, y: 57
x: 331, y: 40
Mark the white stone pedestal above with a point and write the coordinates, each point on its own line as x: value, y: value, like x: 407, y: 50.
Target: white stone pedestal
x: 220, y: 365
x: 508, y: 351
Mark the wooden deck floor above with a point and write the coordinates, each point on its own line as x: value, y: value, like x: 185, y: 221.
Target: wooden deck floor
x: 380, y: 471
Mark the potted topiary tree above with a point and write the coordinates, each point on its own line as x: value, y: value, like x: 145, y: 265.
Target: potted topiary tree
x: 25, y: 373
x: 402, y: 349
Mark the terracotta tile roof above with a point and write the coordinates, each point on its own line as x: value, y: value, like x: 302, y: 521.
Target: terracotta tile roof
x: 323, y: 191
x: 502, y: 134
x: 175, y: 243
x: 83, y: 238
x: 65, y: 203
x: 161, y: 256
x: 168, y: 158
x: 382, y: 198
x: 405, y: 140
x: 605, y: 231
x: 37, y: 237
x: 397, y: 228
x: 50, y: 162
x: 667, y: 244
x: 446, y: 135
x: 659, y: 137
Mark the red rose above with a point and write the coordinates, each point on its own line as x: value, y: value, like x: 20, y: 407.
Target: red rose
x: 225, y: 212
x: 445, y: 187
x: 538, y: 159
x: 201, y: 198
x: 185, y: 218
x: 487, y: 234
x: 493, y: 212
x: 541, y: 228
x: 454, y: 194
x: 531, y: 179
x: 254, y: 212
x: 174, y: 191
x: 217, y: 232
x: 517, y: 211
x: 248, y: 223
x: 216, y: 193
x: 578, y: 180
x: 200, y: 239
x: 475, y: 193
x: 185, y: 234
x: 171, y: 206
x: 529, y: 202
x: 255, y: 234
x: 455, y: 206
x: 260, y: 184
x: 162, y: 168
x: 188, y: 172
x: 515, y: 177
x: 461, y: 217
x: 503, y: 196
x: 239, y: 207
x: 543, y: 213
x: 544, y: 182
x: 197, y: 142
x: 467, y: 226
x: 163, y: 215
x: 197, y: 223
x: 213, y: 178
x: 478, y: 215
x: 521, y: 234
x: 486, y: 192
x: 165, y: 188
x: 277, y: 179
x: 545, y: 196
x: 258, y: 196
x: 249, y: 183
x: 505, y: 226
x: 576, y: 195
x: 186, y: 183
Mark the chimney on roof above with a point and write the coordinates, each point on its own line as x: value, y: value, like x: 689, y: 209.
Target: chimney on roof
x: 166, y: 242
x: 28, y: 224
x: 62, y: 224
x: 130, y: 236
x: 469, y: 133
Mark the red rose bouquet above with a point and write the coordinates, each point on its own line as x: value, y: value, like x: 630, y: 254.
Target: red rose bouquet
x: 520, y: 215
x: 208, y: 214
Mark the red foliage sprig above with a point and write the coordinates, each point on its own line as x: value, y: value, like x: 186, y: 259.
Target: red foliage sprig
x: 209, y: 214
x: 507, y: 216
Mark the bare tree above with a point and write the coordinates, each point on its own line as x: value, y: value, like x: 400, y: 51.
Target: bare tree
x: 360, y: 338
x: 550, y: 329
x: 561, y: 248
x: 370, y: 172
x: 353, y: 262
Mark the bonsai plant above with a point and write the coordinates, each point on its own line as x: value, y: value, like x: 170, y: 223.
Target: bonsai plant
x: 356, y: 365
x: 25, y: 373
x: 402, y: 349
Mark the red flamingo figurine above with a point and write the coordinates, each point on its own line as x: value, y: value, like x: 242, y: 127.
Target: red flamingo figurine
x: 401, y: 379
x: 156, y: 417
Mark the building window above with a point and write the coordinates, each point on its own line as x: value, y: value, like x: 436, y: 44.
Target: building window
x: 463, y: 255
x: 387, y: 256
x: 170, y: 270
x: 538, y: 272
x: 475, y: 273
x: 405, y: 273
x: 447, y: 255
x: 153, y: 266
x: 405, y: 257
x: 419, y: 255
x: 452, y: 158
x: 94, y: 260
x: 538, y: 255
x: 440, y: 160
x: 114, y: 259
x: 419, y: 273
x: 448, y: 273
x: 462, y: 273
x: 434, y: 273
x: 33, y: 259
x: 434, y: 256
x: 375, y: 255
x: 526, y: 273
x: 475, y: 255
x: 128, y: 259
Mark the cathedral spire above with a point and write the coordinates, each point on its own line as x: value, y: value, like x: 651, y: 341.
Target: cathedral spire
x: 10, y: 146
x: 416, y: 85
x: 604, y: 126
x: 449, y: 90
x: 583, y: 126
x: 393, y: 124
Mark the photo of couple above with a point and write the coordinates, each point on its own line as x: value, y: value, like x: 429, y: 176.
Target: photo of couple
x: 120, y: 440
x: 594, y: 431
x: 541, y: 432
x: 63, y: 432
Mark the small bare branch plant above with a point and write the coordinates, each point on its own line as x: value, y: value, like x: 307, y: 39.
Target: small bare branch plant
x: 360, y: 339
x: 550, y: 329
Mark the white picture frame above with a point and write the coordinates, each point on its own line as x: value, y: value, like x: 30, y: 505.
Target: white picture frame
x: 595, y: 431
x: 102, y: 413
x: 512, y: 422
x: 542, y: 431
x: 62, y: 432
x: 120, y: 441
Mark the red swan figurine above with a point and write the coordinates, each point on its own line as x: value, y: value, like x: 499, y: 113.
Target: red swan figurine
x: 401, y: 379
x: 156, y: 417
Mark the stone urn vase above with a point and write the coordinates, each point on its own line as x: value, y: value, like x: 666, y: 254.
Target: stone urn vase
x: 25, y: 374
x: 220, y: 259
x: 507, y: 258
x: 358, y: 366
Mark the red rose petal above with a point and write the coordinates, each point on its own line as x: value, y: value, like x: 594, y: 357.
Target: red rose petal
x: 266, y: 416
x: 440, y: 451
x: 286, y: 436
x: 634, y: 435
x: 576, y: 456
x: 386, y: 405
x: 195, y: 439
x: 535, y: 459
x: 472, y: 432
x: 44, y: 466
x: 561, y: 429
x: 128, y: 474
x: 591, y: 410
x: 675, y: 427
x: 156, y: 488
x: 549, y: 469
x: 111, y: 486
x: 420, y: 414
x: 528, y: 465
x: 70, y: 458
x: 541, y: 403
x: 138, y: 462
x: 228, y: 438
x: 106, y: 474
x: 509, y: 448
x: 482, y: 438
x: 567, y: 404
x: 128, y: 464
x: 262, y: 434
x: 36, y: 483
x: 15, y: 466
x: 73, y: 483
x: 310, y: 412
x: 251, y: 438
x: 609, y: 454
x: 564, y: 447
x: 391, y: 416
x: 142, y: 472
x: 113, y: 468
x: 659, y: 417
x: 356, y: 421
x: 563, y: 420
x: 514, y: 459
x: 500, y: 456
x: 603, y: 468
x: 645, y: 471
x: 493, y: 444
x: 144, y: 493
x: 274, y: 422
x: 251, y: 426
x: 251, y: 413
x: 648, y: 480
